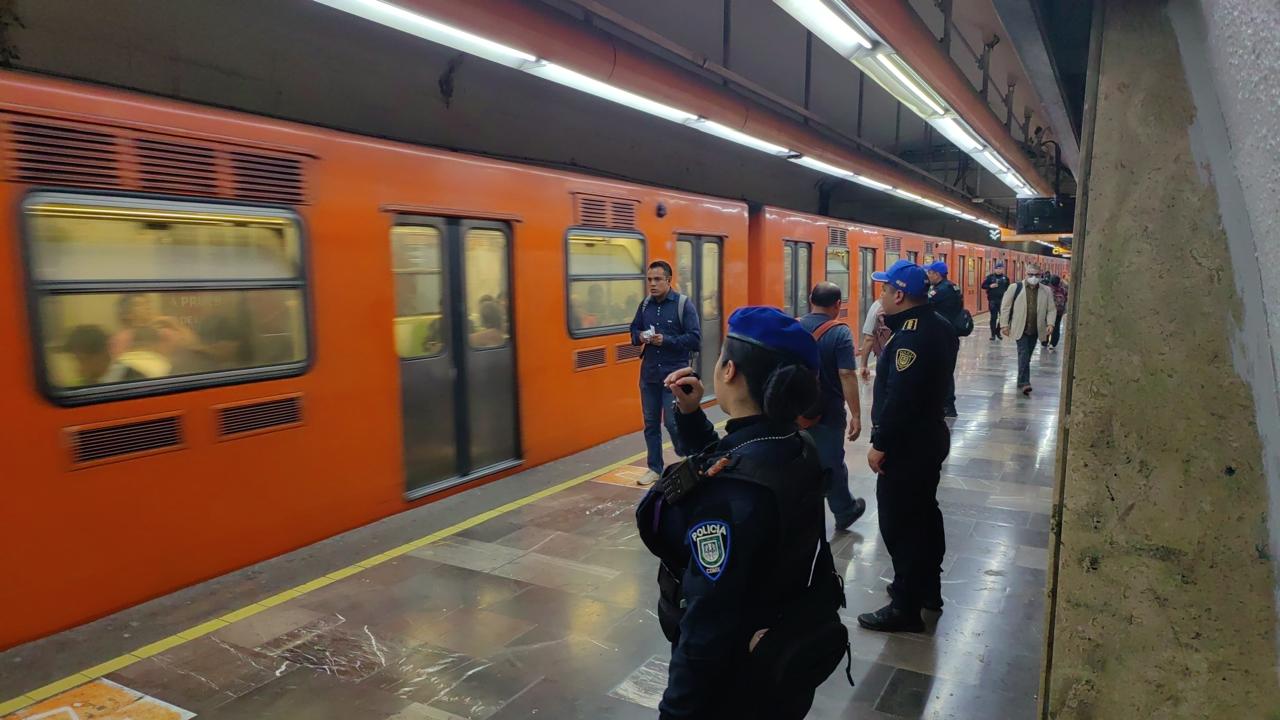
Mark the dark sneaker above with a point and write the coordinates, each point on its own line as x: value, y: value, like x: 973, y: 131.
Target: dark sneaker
x: 859, y: 507
x: 950, y: 412
x: 933, y: 604
x: 891, y: 619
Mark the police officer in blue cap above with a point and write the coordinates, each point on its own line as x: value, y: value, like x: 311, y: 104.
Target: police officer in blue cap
x: 909, y: 442
x: 748, y: 593
x: 945, y: 298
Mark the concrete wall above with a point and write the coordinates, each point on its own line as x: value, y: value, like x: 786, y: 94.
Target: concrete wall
x: 1165, y: 583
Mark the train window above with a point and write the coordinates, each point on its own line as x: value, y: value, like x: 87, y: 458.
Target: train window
x: 788, y: 278
x: 487, y: 305
x: 417, y: 267
x: 136, y: 296
x: 913, y: 256
x: 606, y: 281
x: 838, y: 269
x: 804, y: 276
x: 973, y: 271
x: 890, y: 258
x: 709, y: 283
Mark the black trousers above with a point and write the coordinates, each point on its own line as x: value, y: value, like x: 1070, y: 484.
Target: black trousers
x: 910, y: 520
x: 994, y: 306
x: 1057, y: 329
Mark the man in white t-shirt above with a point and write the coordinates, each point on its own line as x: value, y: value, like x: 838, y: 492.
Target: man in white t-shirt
x: 873, y: 322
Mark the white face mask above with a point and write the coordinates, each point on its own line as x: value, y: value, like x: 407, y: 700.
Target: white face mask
x: 1033, y: 281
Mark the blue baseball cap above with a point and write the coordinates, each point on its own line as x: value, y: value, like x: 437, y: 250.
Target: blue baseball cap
x: 938, y: 267
x: 772, y: 329
x: 906, y: 276
x: 1000, y: 264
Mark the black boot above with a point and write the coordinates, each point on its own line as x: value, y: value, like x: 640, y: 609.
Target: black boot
x: 892, y: 619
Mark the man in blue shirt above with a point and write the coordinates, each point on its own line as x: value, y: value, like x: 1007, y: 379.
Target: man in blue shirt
x: 667, y: 325
x: 838, y: 384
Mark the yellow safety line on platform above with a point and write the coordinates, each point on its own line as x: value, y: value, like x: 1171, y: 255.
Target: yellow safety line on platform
x: 159, y: 646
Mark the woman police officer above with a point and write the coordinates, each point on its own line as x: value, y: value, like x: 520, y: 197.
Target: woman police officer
x: 749, y: 595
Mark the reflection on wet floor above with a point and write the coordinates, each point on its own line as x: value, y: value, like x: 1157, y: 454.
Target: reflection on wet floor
x: 546, y: 611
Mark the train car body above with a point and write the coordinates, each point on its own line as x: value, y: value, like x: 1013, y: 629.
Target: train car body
x: 230, y: 337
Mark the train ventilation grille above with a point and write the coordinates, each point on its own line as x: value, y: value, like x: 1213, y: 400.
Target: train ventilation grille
x: 587, y: 359
x: 166, y: 167
x: 263, y: 177
x: 627, y: 351
x: 279, y: 414
x: 126, y: 439
x: 838, y: 237
x: 64, y: 153
x: 892, y: 245
x: 604, y: 212
x: 48, y: 154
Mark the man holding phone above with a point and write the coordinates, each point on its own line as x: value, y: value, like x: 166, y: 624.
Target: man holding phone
x: 667, y: 325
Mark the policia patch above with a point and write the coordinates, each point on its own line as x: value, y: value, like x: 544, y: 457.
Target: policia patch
x: 709, y: 543
x: 903, y: 359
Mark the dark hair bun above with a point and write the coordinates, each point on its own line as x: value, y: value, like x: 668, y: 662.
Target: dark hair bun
x: 789, y: 392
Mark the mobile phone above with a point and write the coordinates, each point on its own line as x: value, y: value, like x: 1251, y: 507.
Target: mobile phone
x: 688, y: 390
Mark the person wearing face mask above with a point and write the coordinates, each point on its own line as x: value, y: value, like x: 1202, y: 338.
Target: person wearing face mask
x: 909, y: 442
x: 1026, y: 314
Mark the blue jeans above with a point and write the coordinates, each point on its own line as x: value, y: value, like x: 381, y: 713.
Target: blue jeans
x: 656, y: 400
x: 1026, y: 346
x: 830, y: 442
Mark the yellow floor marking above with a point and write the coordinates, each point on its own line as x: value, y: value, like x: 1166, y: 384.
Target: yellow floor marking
x: 109, y: 666
x: 58, y: 686
x: 17, y: 704
x: 173, y: 641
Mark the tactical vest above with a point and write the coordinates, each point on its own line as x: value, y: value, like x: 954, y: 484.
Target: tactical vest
x: 805, y: 640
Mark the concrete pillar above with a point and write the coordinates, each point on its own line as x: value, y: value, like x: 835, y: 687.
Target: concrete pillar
x: 1162, y: 581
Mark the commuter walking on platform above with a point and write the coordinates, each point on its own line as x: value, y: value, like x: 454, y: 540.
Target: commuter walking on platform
x: 1059, y: 290
x: 1026, y: 314
x: 996, y: 283
x: 909, y: 442
x: 667, y: 325
x: 945, y: 298
x: 837, y: 385
x: 748, y: 592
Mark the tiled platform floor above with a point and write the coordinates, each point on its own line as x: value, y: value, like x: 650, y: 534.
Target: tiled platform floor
x: 545, y: 611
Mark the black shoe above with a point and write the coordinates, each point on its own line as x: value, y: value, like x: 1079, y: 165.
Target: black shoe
x: 950, y: 412
x: 859, y: 507
x: 933, y: 604
x: 891, y: 619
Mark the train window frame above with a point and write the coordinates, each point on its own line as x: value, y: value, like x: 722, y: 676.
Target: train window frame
x: 798, y: 291
x: 35, y: 290
x: 569, y: 279
x: 847, y: 290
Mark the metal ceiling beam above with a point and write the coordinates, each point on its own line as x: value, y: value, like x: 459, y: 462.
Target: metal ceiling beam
x: 1020, y: 22
x: 901, y: 28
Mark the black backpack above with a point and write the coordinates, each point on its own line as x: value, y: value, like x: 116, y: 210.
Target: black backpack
x: 963, y: 323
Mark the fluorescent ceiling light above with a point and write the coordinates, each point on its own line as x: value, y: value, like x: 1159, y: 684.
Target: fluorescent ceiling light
x: 591, y: 86
x: 959, y: 134
x: 424, y: 27
x: 891, y: 62
x: 727, y: 133
x: 822, y: 167
x: 832, y: 29
x: 863, y: 180
x: 995, y: 161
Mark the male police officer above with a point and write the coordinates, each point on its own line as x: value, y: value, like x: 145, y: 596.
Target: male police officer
x: 945, y: 298
x: 749, y: 596
x: 909, y: 442
x: 996, y: 283
x: 667, y: 325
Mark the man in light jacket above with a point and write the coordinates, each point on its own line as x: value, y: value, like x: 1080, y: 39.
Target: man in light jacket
x: 1026, y: 314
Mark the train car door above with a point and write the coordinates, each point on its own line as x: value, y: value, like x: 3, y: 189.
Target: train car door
x: 457, y: 358
x: 698, y: 263
x: 867, y: 266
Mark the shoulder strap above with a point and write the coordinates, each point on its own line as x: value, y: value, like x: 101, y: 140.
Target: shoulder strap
x: 644, y: 303
x: 680, y: 310
x: 1017, y: 289
x: 822, y: 329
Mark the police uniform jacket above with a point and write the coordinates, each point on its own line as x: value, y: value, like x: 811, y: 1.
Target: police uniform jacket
x: 722, y: 543
x: 995, y: 285
x: 945, y: 298
x: 912, y: 379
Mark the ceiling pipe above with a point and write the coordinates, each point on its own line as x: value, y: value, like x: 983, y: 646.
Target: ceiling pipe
x: 905, y: 32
